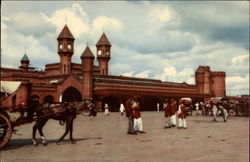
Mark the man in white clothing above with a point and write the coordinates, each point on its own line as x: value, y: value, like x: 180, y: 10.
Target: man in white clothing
x: 106, y: 109
x: 122, y: 108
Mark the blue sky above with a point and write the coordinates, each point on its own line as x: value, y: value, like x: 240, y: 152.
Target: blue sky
x: 158, y: 40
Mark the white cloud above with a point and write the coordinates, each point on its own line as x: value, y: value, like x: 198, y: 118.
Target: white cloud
x: 74, y: 16
x: 170, y: 73
x: 237, y: 85
x: 104, y: 23
x: 161, y: 13
x: 128, y: 74
x: 144, y: 74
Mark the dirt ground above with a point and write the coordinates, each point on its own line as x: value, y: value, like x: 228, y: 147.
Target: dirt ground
x: 104, y: 139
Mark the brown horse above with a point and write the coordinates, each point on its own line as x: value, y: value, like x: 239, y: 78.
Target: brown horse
x: 64, y: 112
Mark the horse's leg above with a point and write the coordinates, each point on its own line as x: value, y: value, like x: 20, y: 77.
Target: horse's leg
x: 40, y: 129
x: 34, y: 133
x: 66, y: 131
x: 71, y: 131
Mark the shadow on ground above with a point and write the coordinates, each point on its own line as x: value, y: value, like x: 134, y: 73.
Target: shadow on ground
x: 20, y: 143
x: 208, y: 121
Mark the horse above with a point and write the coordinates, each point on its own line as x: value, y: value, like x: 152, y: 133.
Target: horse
x: 64, y: 112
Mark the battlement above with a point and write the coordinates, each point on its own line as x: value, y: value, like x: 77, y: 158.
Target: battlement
x: 218, y: 73
x: 202, y: 69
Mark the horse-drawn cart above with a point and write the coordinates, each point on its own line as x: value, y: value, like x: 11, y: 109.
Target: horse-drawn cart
x: 14, y: 113
x: 6, y: 124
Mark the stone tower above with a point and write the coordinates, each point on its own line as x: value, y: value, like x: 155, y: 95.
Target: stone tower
x: 209, y: 82
x: 103, y: 48
x: 25, y: 63
x: 87, y: 58
x: 217, y: 81
x: 65, y: 49
x: 202, y: 77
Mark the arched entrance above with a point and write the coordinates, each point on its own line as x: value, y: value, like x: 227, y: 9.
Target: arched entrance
x: 149, y: 103
x: 113, y: 103
x: 71, y: 94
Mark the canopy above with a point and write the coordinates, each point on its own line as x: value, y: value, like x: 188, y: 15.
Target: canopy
x: 186, y: 100
x: 9, y: 86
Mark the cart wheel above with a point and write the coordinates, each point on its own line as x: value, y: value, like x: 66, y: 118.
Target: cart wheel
x: 5, y: 130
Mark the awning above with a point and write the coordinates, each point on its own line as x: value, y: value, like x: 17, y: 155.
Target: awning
x: 9, y: 86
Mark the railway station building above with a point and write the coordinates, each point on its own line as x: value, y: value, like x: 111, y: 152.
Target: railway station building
x: 68, y: 81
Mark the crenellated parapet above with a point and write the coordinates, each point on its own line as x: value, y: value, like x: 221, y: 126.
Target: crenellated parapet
x: 218, y: 73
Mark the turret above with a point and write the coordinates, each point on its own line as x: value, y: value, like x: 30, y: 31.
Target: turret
x: 25, y: 63
x: 202, y: 77
x: 87, y: 58
x: 65, y: 49
x: 103, y: 49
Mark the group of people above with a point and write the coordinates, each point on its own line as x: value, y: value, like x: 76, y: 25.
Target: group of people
x: 171, y: 109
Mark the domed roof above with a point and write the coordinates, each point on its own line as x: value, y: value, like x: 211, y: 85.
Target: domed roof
x: 103, y: 40
x: 65, y: 33
x: 25, y: 58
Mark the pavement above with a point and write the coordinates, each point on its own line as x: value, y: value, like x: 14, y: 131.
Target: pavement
x: 105, y: 139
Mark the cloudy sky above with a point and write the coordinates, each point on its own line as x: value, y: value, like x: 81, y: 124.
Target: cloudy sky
x: 158, y: 40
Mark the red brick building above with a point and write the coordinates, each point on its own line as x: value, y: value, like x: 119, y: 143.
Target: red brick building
x: 68, y: 81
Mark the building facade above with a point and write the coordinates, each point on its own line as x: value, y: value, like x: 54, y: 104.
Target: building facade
x: 68, y: 81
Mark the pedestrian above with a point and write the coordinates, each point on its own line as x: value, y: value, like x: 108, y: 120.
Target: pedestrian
x: 122, y: 109
x: 182, y: 116
x: 202, y: 106
x: 138, y: 127
x: 214, y: 111
x: 130, y: 116
x: 158, y: 107
x: 167, y: 110
x: 224, y: 112
x: 106, y: 109
x: 197, y: 108
x: 173, y: 110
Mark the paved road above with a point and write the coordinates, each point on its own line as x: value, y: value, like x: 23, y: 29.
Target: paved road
x: 104, y: 139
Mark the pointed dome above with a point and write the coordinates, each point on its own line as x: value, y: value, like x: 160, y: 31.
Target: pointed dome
x: 103, y: 40
x: 65, y: 33
x: 25, y: 58
x: 87, y: 53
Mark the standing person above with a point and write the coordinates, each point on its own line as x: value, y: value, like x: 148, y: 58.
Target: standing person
x: 224, y: 112
x: 167, y: 110
x: 137, y: 116
x: 122, y: 109
x: 214, y: 111
x: 158, y: 107
x: 130, y: 116
x: 173, y: 110
x: 106, y: 109
x: 197, y: 108
x: 182, y: 116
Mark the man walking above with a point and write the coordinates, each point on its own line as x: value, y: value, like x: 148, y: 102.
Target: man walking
x: 167, y: 110
x: 106, y: 109
x: 130, y: 116
x: 137, y: 116
x: 173, y: 112
x: 182, y: 116
x: 122, y: 109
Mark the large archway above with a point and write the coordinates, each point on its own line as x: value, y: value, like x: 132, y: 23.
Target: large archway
x: 71, y: 94
x: 113, y: 103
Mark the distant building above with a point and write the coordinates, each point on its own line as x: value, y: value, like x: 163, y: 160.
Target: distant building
x: 68, y: 81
